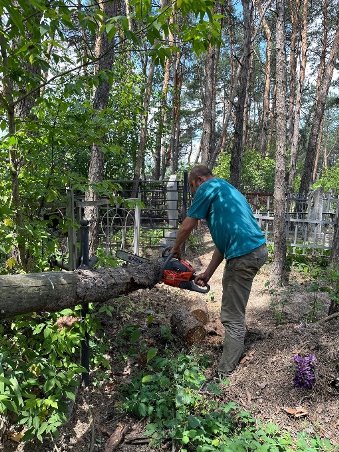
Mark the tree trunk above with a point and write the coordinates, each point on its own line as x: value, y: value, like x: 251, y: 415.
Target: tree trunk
x: 300, y: 87
x: 319, y: 109
x: 140, y: 156
x: 175, y: 131
x: 105, y: 52
x: 278, y: 272
x: 228, y: 98
x: 265, y: 120
x: 318, y: 151
x: 237, y: 148
x: 334, y: 263
x: 160, y: 153
x: 294, y: 52
x: 54, y: 291
x: 208, y: 124
x: 247, y: 106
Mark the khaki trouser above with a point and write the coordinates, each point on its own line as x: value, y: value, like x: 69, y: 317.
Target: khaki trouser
x: 237, y: 282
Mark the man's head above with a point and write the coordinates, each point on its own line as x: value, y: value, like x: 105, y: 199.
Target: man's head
x: 198, y: 175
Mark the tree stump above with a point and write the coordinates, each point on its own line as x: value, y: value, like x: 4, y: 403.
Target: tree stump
x: 199, y: 311
x: 187, y: 327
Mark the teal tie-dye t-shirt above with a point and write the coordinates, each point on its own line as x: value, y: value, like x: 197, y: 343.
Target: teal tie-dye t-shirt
x: 234, y: 229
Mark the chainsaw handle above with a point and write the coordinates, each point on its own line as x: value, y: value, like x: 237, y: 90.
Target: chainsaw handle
x: 191, y: 285
x: 200, y: 289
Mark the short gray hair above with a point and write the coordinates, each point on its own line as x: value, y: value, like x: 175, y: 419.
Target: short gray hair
x: 199, y: 171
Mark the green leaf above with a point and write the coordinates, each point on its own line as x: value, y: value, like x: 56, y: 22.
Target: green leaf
x: 15, y: 385
x: 147, y: 378
x: 185, y: 439
x: 44, y: 29
x: 111, y: 31
x: 70, y: 395
x: 151, y: 353
x: 38, y: 328
x: 49, y: 384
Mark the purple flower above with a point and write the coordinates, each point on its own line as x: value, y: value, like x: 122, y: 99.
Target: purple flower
x: 304, y: 373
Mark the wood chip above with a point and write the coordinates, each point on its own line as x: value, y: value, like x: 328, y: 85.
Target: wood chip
x: 296, y: 412
x: 16, y: 437
x: 248, y: 357
x: 116, y: 438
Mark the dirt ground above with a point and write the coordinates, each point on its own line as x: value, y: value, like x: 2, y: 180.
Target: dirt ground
x: 278, y: 328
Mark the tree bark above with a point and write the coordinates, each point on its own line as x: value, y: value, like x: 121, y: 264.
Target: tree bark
x: 208, y: 124
x: 54, y: 291
x: 187, y: 327
x: 101, y: 99
x: 247, y: 106
x: 161, y: 136
x: 140, y: 156
x: 198, y: 309
x: 319, y: 108
x: 334, y: 264
x: 278, y: 271
x: 237, y: 148
x: 175, y: 131
x: 300, y: 87
x: 335, y: 244
x: 265, y: 120
x: 228, y: 98
x: 294, y: 52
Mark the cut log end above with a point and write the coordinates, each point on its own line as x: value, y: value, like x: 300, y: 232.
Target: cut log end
x: 187, y: 327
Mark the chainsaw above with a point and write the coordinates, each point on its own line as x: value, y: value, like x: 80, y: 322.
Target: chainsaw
x: 175, y: 272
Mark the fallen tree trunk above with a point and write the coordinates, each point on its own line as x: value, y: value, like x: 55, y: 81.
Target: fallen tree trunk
x: 54, y: 291
x: 187, y: 327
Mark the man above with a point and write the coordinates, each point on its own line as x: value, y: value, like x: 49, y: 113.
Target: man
x: 239, y: 240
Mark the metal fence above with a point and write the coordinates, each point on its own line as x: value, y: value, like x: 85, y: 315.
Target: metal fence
x: 310, y: 220
x: 150, y: 221
x: 138, y: 224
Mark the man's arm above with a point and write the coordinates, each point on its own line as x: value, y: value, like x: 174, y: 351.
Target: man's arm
x: 184, y: 231
x: 203, y: 278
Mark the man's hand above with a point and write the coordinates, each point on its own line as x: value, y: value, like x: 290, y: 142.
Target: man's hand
x: 201, y: 279
x: 176, y: 252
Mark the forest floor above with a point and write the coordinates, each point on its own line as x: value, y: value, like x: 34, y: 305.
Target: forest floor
x: 279, y: 326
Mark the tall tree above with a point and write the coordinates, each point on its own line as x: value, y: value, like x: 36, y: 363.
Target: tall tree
x: 140, y: 154
x: 209, y: 100
x: 318, y: 109
x: 237, y: 147
x: 295, y: 124
x: 160, y: 142
x: 104, y: 53
x: 278, y: 271
x: 207, y: 141
x: 265, y: 120
x: 231, y: 90
x: 294, y: 52
x: 176, y: 114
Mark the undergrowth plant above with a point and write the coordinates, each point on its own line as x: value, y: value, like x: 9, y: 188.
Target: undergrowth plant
x: 40, y: 370
x: 169, y: 394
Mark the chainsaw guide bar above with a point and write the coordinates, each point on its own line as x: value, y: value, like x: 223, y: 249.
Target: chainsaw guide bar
x: 176, y: 272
